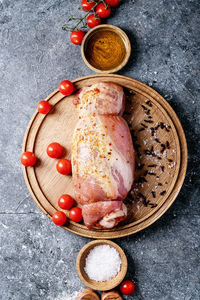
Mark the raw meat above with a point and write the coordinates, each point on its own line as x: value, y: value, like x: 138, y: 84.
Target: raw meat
x: 103, y: 157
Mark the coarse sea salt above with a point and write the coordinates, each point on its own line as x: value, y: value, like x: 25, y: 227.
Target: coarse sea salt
x: 103, y: 263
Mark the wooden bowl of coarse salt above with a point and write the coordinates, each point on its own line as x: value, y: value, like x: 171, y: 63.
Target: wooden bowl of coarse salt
x: 101, y: 265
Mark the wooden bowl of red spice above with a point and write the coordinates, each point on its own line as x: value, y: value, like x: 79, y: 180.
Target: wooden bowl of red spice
x: 106, y: 49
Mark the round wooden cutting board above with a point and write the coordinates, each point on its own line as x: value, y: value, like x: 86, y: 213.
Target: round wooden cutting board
x: 161, y: 155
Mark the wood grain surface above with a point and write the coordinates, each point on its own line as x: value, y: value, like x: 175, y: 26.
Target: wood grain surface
x: 112, y: 295
x: 161, y: 158
x: 87, y: 294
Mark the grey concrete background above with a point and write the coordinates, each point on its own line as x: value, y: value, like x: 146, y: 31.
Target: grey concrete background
x: 37, y: 259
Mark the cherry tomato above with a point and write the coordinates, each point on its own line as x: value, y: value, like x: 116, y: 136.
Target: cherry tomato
x: 44, y: 107
x: 113, y: 3
x: 65, y: 201
x: 54, y: 150
x: 77, y: 36
x: 28, y: 159
x: 66, y: 87
x: 75, y: 214
x: 87, y: 5
x: 93, y: 20
x: 102, y: 10
x: 59, y: 218
x: 64, y: 166
x: 127, y: 287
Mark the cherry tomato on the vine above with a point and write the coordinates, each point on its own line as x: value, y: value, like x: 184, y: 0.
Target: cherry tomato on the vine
x: 77, y: 36
x: 75, y: 214
x: 102, y: 10
x: 28, y: 159
x: 113, y: 3
x: 59, y: 218
x: 64, y: 166
x: 66, y: 87
x: 93, y: 21
x: 44, y: 107
x: 65, y: 201
x: 127, y: 287
x: 87, y: 5
x: 54, y: 150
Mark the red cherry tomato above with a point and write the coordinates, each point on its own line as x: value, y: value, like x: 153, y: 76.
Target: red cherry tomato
x: 102, y: 10
x: 59, y: 218
x: 87, y: 5
x: 113, y: 3
x: 75, y: 214
x: 28, y: 159
x: 66, y: 87
x: 93, y: 20
x: 44, y: 107
x: 54, y: 150
x: 65, y: 201
x: 64, y: 166
x: 127, y: 287
x: 77, y: 36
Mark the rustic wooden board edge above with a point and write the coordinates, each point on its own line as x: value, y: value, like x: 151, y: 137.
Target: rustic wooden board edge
x: 119, y: 232
x: 51, y: 209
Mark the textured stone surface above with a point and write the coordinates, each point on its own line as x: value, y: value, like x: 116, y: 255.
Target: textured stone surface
x: 37, y: 259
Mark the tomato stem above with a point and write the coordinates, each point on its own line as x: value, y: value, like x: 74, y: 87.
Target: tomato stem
x: 106, y: 4
x: 65, y: 27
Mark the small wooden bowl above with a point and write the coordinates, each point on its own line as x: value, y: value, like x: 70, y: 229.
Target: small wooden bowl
x: 115, y: 29
x: 96, y: 285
